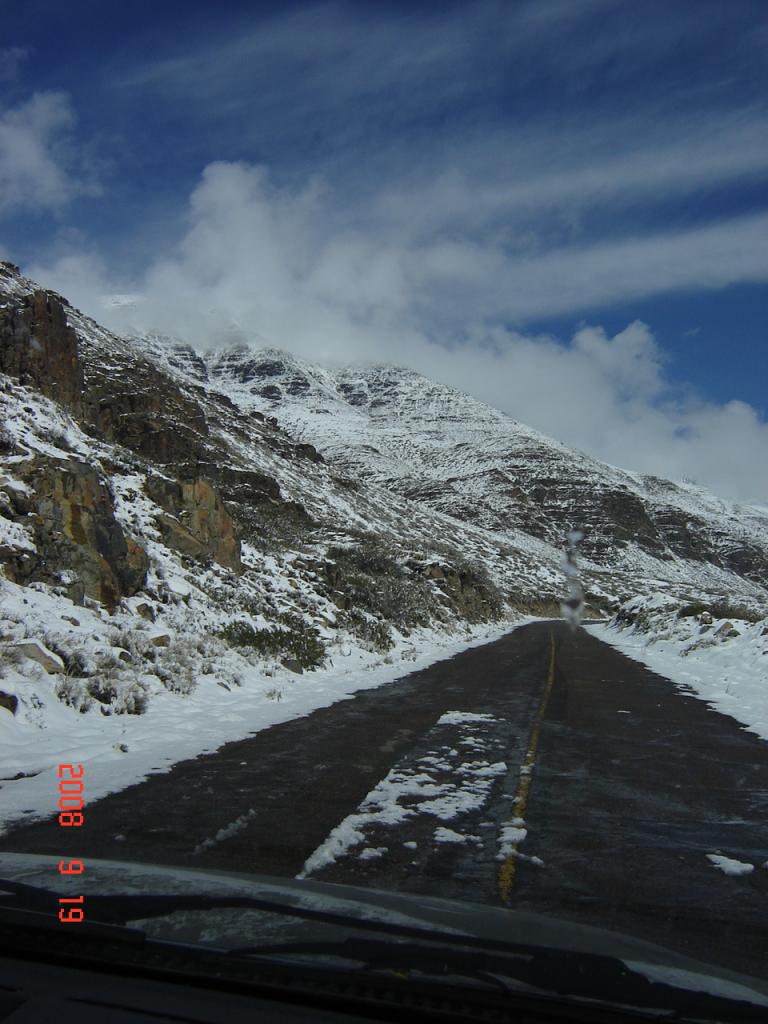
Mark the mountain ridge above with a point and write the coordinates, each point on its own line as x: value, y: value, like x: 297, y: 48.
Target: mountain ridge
x: 499, y: 479
x: 423, y: 442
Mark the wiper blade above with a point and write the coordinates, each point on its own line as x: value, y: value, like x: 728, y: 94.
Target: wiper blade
x: 559, y: 974
x: 120, y: 908
x: 403, y: 958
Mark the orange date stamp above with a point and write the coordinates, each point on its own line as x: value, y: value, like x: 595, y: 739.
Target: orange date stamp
x: 71, y: 788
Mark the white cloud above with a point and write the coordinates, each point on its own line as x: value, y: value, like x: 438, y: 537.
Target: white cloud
x: 558, y: 168
x: 582, y: 277
x: 77, y: 273
x: 34, y: 167
x: 261, y: 253
x: 286, y: 268
x: 347, y: 49
x: 610, y: 397
x: 372, y: 96
x: 630, y: 361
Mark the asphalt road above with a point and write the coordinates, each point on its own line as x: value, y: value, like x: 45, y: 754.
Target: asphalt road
x: 544, y: 771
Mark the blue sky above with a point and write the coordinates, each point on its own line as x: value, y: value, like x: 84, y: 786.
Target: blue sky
x: 558, y: 205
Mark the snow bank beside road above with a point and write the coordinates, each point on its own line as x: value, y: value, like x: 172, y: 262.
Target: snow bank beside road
x: 723, y: 660
x: 119, y: 750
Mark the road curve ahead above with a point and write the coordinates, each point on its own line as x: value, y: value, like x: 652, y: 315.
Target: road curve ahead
x: 544, y: 771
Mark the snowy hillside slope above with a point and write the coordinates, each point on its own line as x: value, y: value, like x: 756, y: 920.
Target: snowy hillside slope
x: 451, y: 453
x: 193, y: 428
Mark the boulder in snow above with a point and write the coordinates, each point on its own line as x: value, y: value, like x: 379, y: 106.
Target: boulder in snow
x: 9, y: 702
x: 38, y: 652
x: 726, y: 631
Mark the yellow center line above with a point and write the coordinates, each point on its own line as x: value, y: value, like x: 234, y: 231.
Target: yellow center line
x: 507, y: 870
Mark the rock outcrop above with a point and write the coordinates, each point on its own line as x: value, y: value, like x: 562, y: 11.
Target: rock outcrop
x: 197, y: 523
x: 37, y: 651
x: 39, y: 348
x: 76, y: 533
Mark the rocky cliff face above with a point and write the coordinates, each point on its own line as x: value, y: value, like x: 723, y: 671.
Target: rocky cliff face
x: 196, y: 523
x: 117, y: 397
x: 78, y: 540
x: 39, y: 348
x: 139, y: 459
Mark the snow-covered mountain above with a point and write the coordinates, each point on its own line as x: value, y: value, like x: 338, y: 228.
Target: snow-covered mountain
x: 296, y: 449
x: 184, y: 534
x: 451, y: 453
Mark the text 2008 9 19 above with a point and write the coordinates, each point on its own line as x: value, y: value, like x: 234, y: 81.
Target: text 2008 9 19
x: 71, y: 787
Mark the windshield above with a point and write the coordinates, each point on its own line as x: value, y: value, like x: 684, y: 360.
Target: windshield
x: 383, y: 476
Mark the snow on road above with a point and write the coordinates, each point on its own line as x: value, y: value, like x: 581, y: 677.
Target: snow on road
x: 447, y: 783
x: 729, y: 866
